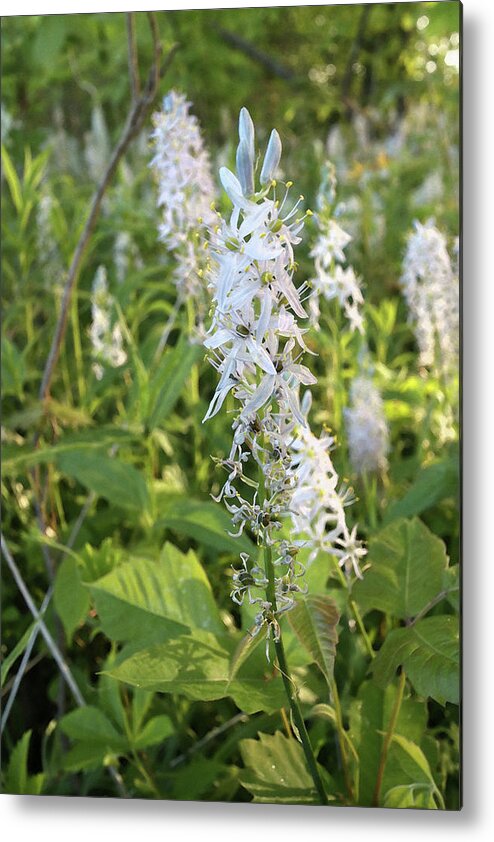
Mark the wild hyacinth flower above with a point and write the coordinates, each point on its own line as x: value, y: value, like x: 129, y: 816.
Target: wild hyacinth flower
x: 106, y: 338
x: 185, y: 193
x: 430, y: 287
x: 332, y: 280
x: 255, y: 344
x: 319, y: 501
x: 367, y: 430
x: 47, y: 246
x: 97, y: 146
x: 126, y: 255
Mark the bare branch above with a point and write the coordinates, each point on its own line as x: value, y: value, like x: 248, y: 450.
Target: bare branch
x: 135, y: 82
x: 134, y: 123
x: 254, y: 53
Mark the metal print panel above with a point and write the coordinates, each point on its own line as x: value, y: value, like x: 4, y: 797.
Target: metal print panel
x: 230, y: 380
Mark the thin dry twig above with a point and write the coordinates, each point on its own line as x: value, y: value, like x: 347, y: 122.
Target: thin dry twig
x: 135, y: 120
x: 135, y: 82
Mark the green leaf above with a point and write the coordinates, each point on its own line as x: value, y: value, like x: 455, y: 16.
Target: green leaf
x: 174, y: 371
x: 407, y: 564
x: 407, y: 765
x: 156, y: 599
x: 12, y: 180
x: 85, y: 756
x: 369, y: 722
x: 434, y: 483
x: 90, y: 725
x: 417, y: 796
x: 17, y: 781
x: 197, y: 666
x: 243, y: 651
x: 206, y: 522
x: 276, y: 771
x: 429, y: 653
x: 196, y: 780
x: 451, y: 586
x: 13, y: 369
x: 70, y: 597
x: 314, y: 620
x: 156, y: 729
x: 93, y: 442
x: 16, y: 652
x: 116, y: 481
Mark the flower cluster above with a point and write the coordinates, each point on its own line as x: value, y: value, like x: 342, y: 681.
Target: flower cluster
x: 332, y: 280
x: 430, y: 287
x: 318, y: 502
x: 97, y: 147
x: 185, y: 191
x: 106, y: 339
x: 48, y: 249
x: 256, y: 343
x: 126, y: 255
x: 367, y: 430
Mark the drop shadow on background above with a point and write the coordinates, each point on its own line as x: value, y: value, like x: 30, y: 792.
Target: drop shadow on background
x: 227, y: 815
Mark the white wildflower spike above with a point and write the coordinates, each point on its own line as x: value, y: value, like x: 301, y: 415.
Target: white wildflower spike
x: 97, y: 146
x: 126, y: 255
x: 331, y: 280
x: 48, y: 250
x: 256, y: 345
x: 185, y: 194
x: 430, y: 288
x: 367, y: 429
x: 106, y: 338
x: 319, y: 500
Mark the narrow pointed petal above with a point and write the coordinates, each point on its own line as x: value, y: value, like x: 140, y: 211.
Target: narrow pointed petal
x: 271, y: 158
x: 245, y: 168
x: 246, y: 131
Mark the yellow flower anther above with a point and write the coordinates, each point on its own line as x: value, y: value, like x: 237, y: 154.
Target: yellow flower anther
x: 289, y: 184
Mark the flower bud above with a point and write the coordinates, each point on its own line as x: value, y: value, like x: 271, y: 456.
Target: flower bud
x: 271, y: 158
x: 245, y: 168
x: 246, y: 130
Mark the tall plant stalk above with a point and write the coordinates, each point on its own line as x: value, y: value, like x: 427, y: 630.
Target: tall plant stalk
x: 290, y: 687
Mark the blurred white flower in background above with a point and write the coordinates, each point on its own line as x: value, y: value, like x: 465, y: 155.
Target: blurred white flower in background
x: 367, y: 429
x: 106, y: 338
x: 126, y: 255
x: 97, y: 145
x: 431, y: 290
x: 185, y: 194
x: 331, y: 279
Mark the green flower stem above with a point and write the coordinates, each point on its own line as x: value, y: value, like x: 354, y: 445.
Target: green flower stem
x: 194, y: 391
x: 342, y: 737
x: 370, y: 493
x: 388, y: 738
x: 356, y: 613
x: 76, y: 337
x: 290, y: 688
x: 194, y: 374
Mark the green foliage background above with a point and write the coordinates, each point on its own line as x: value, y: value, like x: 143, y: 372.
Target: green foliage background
x: 141, y: 607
